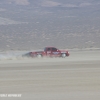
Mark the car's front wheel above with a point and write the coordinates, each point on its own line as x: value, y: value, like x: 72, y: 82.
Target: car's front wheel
x: 63, y: 55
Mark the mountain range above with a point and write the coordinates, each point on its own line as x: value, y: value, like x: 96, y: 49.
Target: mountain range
x: 32, y: 24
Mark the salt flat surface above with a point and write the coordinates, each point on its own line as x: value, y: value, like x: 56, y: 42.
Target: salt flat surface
x: 76, y: 77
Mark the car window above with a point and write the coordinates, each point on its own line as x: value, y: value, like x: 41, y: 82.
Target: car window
x: 54, y: 49
x: 48, y: 49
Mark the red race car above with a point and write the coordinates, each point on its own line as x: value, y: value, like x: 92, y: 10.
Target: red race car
x: 49, y: 52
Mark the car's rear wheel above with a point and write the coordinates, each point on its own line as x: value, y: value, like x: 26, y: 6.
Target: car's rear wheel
x: 63, y: 55
x: 39, y: 56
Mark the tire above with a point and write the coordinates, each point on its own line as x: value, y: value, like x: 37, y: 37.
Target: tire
x: 39, y: 56
x: 63, y: 55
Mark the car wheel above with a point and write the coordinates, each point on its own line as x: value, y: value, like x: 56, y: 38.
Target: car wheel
x: 39, y: 56
x: 63, y: 55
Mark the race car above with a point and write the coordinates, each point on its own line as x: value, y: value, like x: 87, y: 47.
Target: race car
x: 49, y: 52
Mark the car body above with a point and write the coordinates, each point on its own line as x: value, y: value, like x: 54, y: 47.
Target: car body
x: 50, y: 52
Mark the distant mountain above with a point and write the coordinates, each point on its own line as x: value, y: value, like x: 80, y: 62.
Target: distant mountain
x: 51, y: 3
x: 29, y: 24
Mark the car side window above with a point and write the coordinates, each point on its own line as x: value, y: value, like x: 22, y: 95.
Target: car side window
x: 48, y: 49
x: 54, y: 49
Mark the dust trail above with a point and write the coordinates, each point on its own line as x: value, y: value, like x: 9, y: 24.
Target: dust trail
x: 12, y: 55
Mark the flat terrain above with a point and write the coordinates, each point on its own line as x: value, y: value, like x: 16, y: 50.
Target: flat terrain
x: 76, y: 77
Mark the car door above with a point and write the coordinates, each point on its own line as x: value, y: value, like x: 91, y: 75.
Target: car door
x: 48, y: 51
x: 55, y: 52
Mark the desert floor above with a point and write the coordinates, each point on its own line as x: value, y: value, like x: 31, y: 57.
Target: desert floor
x: 76, y: 77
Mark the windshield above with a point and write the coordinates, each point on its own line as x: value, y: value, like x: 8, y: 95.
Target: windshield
x: 44, y: 49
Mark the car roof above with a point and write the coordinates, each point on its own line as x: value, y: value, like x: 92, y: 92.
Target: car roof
x: 50, y: 47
